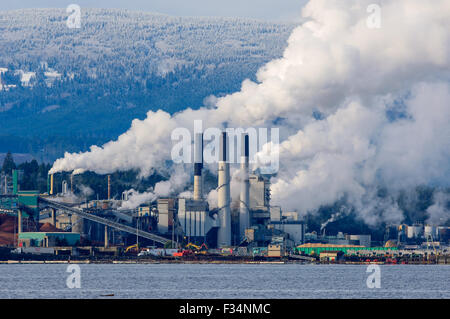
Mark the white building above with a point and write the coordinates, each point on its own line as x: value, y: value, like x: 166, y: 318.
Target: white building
x: 195, y: 218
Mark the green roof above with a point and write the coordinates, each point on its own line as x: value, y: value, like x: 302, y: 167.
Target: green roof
x: 318, y: 250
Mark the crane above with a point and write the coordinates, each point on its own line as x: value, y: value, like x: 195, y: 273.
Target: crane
x: 202, y: 249
x: 430, y: 242
x: 132, y: 247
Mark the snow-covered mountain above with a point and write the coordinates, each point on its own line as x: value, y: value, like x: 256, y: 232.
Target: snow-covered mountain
x: 116, y: 67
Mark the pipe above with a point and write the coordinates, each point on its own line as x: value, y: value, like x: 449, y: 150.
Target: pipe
x: 198, y: 166
x: 224, y: 232
x: 53, y: 210
x: 244, y: 206
x: 64, y: 187
x: 19, y: 222
x: 106, y: 236
x: 15, y: 178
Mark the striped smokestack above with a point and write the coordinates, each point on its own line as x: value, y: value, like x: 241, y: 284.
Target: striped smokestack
x: 244, y: 211
x: 224, y: 232
x: 109, y: 187
x: 198, y: 166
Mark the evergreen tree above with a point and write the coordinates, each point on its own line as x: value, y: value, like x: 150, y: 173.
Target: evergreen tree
x: 8, y: 164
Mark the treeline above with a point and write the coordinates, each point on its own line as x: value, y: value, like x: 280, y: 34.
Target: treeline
x: 89, y: 185
x: 34, y: 176
x: 76, y: 113
x: 412, y: 203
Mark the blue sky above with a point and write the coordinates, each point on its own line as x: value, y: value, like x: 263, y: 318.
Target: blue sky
x: 259, y: 9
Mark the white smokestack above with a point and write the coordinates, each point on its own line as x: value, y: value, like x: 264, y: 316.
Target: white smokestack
x: 198, y: 166
x: 224, y: 200
x: 244, y: 212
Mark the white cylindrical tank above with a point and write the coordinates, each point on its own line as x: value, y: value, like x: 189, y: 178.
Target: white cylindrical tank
x: 410, y: 232
x: 430, y: 230
x: 414, y: 231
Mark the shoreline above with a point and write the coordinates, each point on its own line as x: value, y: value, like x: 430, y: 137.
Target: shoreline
x: 200, y: 262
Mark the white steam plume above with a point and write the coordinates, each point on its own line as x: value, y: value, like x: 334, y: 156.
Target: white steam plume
x: 358, y: 147
x: 174, y: 185
x: 439, y: 212
x: 358, y: 107
x: 85, y: 190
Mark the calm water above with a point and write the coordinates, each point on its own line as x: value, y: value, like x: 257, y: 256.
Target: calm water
x: 224, y: 281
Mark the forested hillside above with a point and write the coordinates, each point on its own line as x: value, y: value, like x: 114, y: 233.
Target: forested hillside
x: 65, y: 89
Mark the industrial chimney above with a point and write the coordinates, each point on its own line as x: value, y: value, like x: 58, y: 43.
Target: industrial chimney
x: 64, y: 187
x: 109, y: 187
x: 51, y: 184
x: 198, y: 166
x: 244, y: 211
x: 224, y: 232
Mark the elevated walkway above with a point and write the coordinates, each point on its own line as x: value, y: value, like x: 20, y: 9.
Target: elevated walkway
x: 104, y: 221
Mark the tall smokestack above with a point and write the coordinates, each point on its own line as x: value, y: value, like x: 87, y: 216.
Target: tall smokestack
x: 198, y: 166
x: 244, y: 211
x: 51, y: 184
x: 224, y: 232
x: 109, y: 187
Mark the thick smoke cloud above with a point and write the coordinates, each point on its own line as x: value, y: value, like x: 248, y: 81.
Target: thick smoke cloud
x: 173, y: 186
x: 439, y: 212
x: 358, y: 108
x: 358, y: 147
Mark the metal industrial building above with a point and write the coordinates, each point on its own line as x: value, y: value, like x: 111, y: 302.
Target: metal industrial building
x: 254, y: 222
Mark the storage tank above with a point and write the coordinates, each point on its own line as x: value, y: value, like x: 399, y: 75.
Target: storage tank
x: 414, y: 231
x: 430, y: 230
x: 410, y: 232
